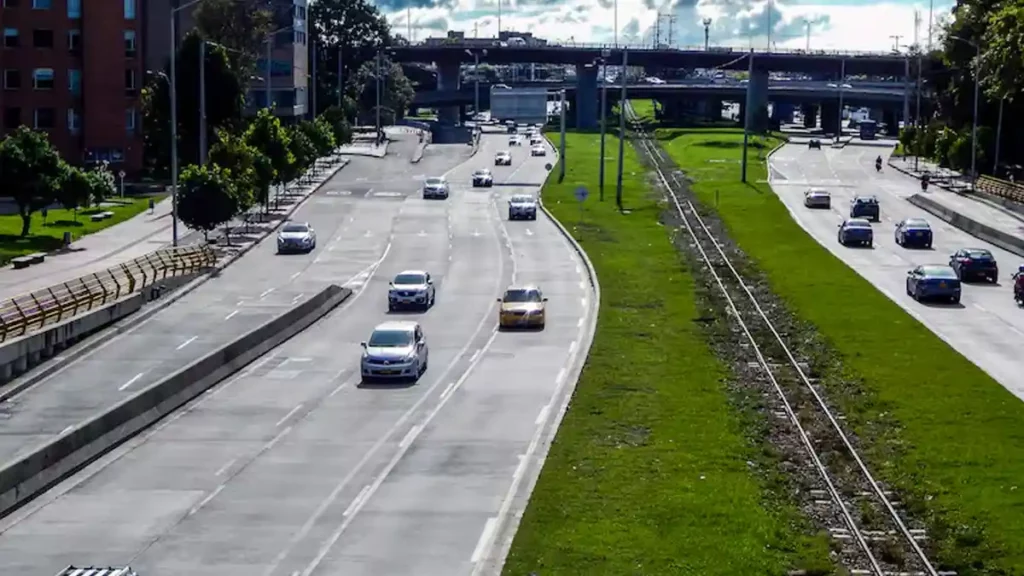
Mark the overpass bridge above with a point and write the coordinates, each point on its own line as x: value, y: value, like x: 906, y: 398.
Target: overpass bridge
x: 450, y: 54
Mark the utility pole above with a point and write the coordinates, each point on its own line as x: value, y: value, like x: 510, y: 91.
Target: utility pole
x: 808, y: 23
x: 768, y: 13
x: 341, y: 85
x: 896, y: 39
x: 312, y: 45
x: 671, y: 25
x: 707, y: 33
x: 408, y: 22
x: 746, y: 117
x: 657, y: 32
x: 379, y: 88
x: 605, y: 54
x: 202, y: 102
x: 920, y: 119
x: 561, y: 144
x: 623, y: 102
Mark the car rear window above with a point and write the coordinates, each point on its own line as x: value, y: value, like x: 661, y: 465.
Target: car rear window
x: 867, y: 200
x: 918, y: 224
x: 979, y: 254
x: 857, y: 224
x: 940, y: 272
x: 522, y: 199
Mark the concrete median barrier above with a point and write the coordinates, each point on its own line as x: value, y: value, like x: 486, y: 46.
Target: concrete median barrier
x: 980, y: 231
x: 31, y: 474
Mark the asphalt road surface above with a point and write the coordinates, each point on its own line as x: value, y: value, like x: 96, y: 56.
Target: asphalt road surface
x: 987, y: 326
x: 293, y: 466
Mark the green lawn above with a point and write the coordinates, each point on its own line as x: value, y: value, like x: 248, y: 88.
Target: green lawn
x: 650, y: 472
x: 939, y: 428
x: 48, y: 235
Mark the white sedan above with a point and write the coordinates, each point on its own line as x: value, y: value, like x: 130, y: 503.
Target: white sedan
x: 538, y: 151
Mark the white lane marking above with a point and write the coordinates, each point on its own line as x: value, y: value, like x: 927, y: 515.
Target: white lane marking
x: 583, y: 285
x: 266, y: 293
x: 979, y: 307
x: 543, y: 415
x: 448, y: 390
x: 357, y: 501
x: 572, y: 348
x: 187, y: 342
x: 560, y: 377
x: 584, y: 302
x: 410, y: 435
x: 476, y: 232
x: 296, y: 275
x: 66, y: 430
x: 206, y: 500
x: 230, y: 316
x: 579, y: 323
x: 275, y: 439
x: 422, y: 233
x: 529, y: 232
x: 357, y: 506
x: 298, y: 297
x: 132, y: 381
x: 475, y: 355
x: 288, y: 415
x: 225, y: 467
x: 485, y: 537
x: 368, y: 234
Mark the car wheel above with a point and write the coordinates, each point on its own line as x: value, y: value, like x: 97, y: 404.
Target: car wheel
x: 954, y: 299
x: 869, y: 243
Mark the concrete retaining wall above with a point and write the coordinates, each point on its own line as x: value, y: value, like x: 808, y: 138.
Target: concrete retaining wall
x: 32, y: 474
x: 23, y: 352
x: 974, y: 228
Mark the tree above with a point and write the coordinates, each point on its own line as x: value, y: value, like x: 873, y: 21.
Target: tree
x: 31, y: 172
x: 908, y: 139
x: 207, y: 197
x: 302, y: 149
x: 234, y: 153
x: 103, y: 183
x: 350, y: 29
x: 225, y: 103
x: 336, y: 118
x: 241, y: 25
x: 397, y: 91
x: 266, y: 135
x: 75, y: 188
x: 321, y: 135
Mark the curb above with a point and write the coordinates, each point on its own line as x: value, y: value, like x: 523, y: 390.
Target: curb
x: 505, y: 531
x: 980, y: 231
x: 93, y: 342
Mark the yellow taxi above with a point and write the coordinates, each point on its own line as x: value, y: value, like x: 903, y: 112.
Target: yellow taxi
x: 522, y: 307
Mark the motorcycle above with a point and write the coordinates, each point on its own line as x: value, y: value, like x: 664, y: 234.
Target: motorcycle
x: 1018, y: 291
x: 878, y: 166
x: 924, y: 185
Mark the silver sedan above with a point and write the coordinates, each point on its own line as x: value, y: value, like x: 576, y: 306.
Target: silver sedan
x: 296, y: 237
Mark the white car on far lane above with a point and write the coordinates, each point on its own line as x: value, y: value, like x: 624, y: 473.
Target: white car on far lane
x: 538, y: 151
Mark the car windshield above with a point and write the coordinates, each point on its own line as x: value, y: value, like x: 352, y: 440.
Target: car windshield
x: 867, y: 200
x: 522, y: 199
x: 521, y: 296
x: 295, y: 228
x: 857, y: 224
x: 979, y: 254
x: 817, y: 193
x: 481, y: 173
x: 434, y: 181
x: 917, y: 224
x: 406, y: 279
x: 940, y: 272
x: 390, y: 338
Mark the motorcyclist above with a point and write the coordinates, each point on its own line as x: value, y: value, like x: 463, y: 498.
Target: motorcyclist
x: 1018, y: 282
x: 878, y: 163
x: 925, y: 180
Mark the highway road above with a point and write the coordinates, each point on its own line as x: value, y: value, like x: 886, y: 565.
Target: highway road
x: 354, y: 214
x: 294, y: 467
x: 987, y: 326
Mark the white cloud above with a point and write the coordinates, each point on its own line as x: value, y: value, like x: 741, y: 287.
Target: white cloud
x: 866, y: 26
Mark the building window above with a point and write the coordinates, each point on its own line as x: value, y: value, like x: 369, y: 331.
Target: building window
x: 41, y: 4
x: 129, y: 119
x: 74, y: 82
x: 74, y: 41
x: 42, y: 79
x: 129, y: 81
x: 74, y: 9
x: 43, y: 119
x: 129, y: 9
x: 42, y: 38
x: 74, y: 121
x: 129, y: 43
x: 11, y: 38
x: 12, y: 117
x: 11, y: 3
x: 12, y: 79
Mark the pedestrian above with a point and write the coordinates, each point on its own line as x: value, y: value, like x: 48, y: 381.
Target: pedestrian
x: 152, y: 206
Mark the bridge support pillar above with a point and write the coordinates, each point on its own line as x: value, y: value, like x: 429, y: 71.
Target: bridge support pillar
x: 782, y: 112
x: 587, y: 98
x: 756, y: 109
x: 810, y: 114
x: 448, y: 80
x: 891, y: 121
x: 830, y: 117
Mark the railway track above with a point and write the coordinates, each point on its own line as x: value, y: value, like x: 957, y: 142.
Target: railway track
x: 870, y: 534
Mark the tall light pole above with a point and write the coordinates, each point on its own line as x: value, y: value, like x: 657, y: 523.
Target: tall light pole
x: 808, y: 24
x: 842, y: 80
x: 768, y: 13
x: 707, y: 33
x: 977, y: 95
x: 499, y: 21
x: 622, y: 130
x: 605, y: 54
x: 896, y: 41
x: 476, y: 79
x: 202, y: 102
x: 174, y: 118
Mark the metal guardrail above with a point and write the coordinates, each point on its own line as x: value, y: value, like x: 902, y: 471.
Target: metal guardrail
x: 28, y: 312
x: 738, y: 51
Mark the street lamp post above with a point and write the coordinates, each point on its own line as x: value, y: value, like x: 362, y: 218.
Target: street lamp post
x: 707, y: 33
x: 476, y: 80
x: 604, y: 108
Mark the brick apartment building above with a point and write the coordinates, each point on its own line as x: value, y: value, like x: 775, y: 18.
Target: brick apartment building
x: 74, y: 68
x: 289, y: 77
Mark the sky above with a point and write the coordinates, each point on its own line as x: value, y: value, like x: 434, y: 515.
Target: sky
x: 867, y: 25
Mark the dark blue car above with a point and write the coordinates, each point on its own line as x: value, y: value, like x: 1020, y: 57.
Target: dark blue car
x: 914, y: 233
x: 933, y: 282
x: 975, y: 264
x: 856, y: 231
x: 865, y: 207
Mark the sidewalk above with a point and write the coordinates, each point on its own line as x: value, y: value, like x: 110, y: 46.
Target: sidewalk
x: 147, y: 232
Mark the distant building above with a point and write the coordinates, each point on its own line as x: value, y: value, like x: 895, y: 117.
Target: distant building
x: 74, y: 69
x: 289, y: 58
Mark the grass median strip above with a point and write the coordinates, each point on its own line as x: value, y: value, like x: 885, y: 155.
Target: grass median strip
x: 651, y: 471
x: 936, y: 426
x: 47, y: 235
